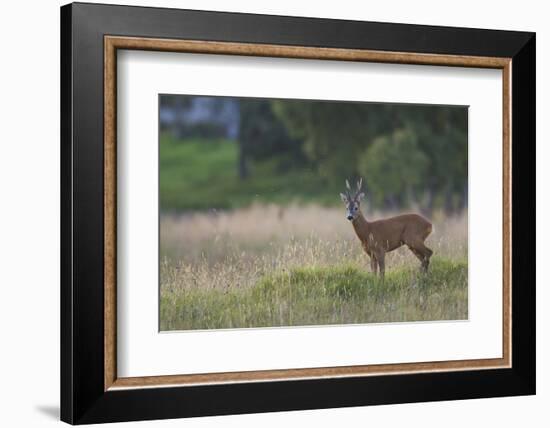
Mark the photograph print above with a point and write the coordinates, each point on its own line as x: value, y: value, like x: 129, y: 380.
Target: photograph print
x: 290, y: 212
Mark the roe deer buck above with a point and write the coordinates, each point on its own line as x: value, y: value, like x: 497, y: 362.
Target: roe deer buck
x: 382, y: 236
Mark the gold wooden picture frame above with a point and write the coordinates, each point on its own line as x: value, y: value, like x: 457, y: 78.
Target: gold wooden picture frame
x: 114, y: 43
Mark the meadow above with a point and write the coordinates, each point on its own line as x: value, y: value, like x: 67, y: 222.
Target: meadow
x: 200, y: 174
x: 253, y: 232
x: 268, y: 264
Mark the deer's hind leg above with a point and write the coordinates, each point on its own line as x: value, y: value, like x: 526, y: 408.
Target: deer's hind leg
x: 422, y: 252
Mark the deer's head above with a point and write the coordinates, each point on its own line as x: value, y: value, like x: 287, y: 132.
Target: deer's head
x: 352, y: 200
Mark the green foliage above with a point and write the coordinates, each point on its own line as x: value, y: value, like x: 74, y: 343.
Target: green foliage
x: 446, y: 178
x: 394, y: 167
x: 264, y: 137
x: 333, y: 132
x: 340, y: 294
x: 201, y: 174
x: 427, y: 153
x: 406, y: 153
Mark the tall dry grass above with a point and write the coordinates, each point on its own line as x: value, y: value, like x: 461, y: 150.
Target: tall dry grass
x: 236, y: 248
x: 267, y: 265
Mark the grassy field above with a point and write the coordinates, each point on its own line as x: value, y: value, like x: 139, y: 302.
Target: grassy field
x: 205, y: 172
x: 268, y: 265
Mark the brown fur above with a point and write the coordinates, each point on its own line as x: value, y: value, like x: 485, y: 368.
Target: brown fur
x: 382, y: 236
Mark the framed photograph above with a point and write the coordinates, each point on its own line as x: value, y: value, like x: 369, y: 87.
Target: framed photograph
x: 265, y: 213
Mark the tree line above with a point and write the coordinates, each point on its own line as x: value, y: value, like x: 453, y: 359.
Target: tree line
x: 406, y: 153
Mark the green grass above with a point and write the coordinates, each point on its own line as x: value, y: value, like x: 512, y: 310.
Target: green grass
x: 202, y: 174
x: 342, y: 294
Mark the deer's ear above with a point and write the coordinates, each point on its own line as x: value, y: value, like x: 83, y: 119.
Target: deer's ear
x: 343, y: 197
x: 360, y: 197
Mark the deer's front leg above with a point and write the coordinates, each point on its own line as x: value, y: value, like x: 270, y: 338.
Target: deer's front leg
x: 373, y: 264
x: 381, y: 258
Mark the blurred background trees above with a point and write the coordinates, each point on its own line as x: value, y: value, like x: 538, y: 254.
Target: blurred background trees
x: 247, y: 150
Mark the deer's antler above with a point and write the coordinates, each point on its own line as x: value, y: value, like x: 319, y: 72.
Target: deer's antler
x: 359, y: 184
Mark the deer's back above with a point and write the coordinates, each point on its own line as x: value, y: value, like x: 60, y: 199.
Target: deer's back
x: 399, y: 229
x: 413, y: 220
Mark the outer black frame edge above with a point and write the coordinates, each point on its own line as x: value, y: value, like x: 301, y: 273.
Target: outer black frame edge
x: 524, y: 213
x: 66, y: 369
x: 82, y: 397
x: 292, y: 30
